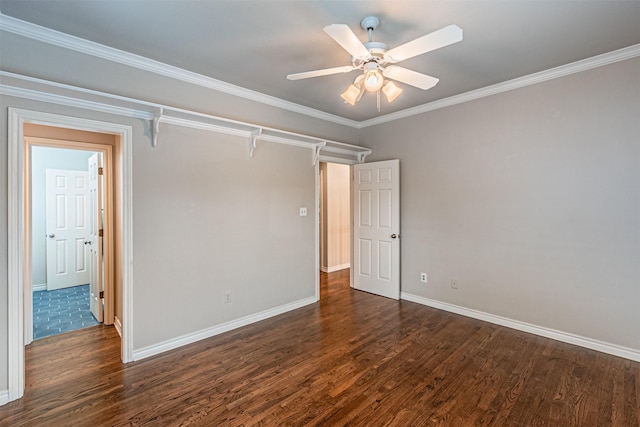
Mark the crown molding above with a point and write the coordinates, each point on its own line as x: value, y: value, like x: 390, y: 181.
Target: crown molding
x: 77, y: 44
x: 542, y: 76
x: 57, y: 38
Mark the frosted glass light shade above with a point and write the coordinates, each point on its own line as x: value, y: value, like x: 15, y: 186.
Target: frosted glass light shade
x: 351, y: 95
x: 391, y: 91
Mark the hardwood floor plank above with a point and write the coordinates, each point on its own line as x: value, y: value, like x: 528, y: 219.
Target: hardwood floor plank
x: 351, y: 359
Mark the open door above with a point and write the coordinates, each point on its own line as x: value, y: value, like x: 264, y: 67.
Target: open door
x: 67, y: 203
x: 95, y: 236
x: 376, y: 231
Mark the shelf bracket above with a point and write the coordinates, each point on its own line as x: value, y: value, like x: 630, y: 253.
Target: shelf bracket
x: 253, y: 140
x: 362, y: 156
x: 156, y: 127
x: 316, y: 152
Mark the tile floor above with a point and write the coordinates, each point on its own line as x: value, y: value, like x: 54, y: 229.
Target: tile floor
x: 62, y: 310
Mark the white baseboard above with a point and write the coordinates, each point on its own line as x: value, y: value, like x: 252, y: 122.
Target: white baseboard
x: 171, y: 344
x: 39, y: 287
x: 118, y: 325
x: 4, y: 397
x: 336, y: 268
x: 604, y: 347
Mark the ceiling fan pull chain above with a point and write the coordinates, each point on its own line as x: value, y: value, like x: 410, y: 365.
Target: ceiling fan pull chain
x: 378, y: 101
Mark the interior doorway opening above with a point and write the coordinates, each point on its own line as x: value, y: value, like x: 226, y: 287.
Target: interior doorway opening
x: 19, y: 231
x: 335, y: 217
x: 63, y: 201
x: 61, y: 256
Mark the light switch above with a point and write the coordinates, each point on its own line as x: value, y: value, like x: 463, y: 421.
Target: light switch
x: 303, y: 211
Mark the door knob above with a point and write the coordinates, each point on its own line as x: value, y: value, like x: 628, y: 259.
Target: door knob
x: 51, y: 236
x: 393, y: 236
x: 87, y: 242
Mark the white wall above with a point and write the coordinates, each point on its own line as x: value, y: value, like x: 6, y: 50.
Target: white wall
x: 531, y: 200
x: 43, y: 158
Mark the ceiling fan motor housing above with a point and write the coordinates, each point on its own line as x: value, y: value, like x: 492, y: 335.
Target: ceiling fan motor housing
x: 370, y: 23
x: 376, y: 52
x: 376, y: 49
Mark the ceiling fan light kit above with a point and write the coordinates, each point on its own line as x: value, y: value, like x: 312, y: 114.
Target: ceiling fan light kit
x: 391, y: 91
x: 374, y: 60
x: 352, y: 94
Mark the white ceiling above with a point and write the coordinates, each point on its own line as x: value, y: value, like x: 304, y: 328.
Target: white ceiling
x: 255, y: 44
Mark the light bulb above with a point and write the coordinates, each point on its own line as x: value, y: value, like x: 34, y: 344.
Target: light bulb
x: 373, y: 81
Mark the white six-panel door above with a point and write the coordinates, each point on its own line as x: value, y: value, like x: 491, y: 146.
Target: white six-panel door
x: 376, y: 232
x: 95, y: 239
x: 67, y: 206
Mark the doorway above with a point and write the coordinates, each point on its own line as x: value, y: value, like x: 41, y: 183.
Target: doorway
x: 119, y: 185
x: 62, y: 216
x: 64, y: 234
x: 335, y: 217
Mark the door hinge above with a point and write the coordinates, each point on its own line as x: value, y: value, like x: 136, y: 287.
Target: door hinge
x: 100, y: 171
x: 101, y: 294
x: 101, y: 233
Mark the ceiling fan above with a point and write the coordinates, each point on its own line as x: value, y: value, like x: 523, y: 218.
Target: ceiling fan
x: 376, y: 61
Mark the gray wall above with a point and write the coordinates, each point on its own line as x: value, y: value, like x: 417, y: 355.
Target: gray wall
x: 206, y: 218
x: 531, y: 200
x: 43, y: 158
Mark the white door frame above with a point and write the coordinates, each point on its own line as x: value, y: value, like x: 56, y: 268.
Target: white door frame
x: 19, y: 256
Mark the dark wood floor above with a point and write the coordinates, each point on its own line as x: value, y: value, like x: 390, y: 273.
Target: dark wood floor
x: 353, y: 358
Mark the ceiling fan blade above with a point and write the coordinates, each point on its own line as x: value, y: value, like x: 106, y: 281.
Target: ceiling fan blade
x: 409, y: 77
x: 343, y: 35
x: 318, y: 73
x: 432, y: 41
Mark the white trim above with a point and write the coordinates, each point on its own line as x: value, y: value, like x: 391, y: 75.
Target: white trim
x: 341, y: 160
x: 67, y: 41
x: 118, y: 325
x: 604, y: 347
x: 39, y: 287
x: 531, y: 79
x: 174, y: 343
x: 16, y: 275
x: 316, y: 230
x: 126, y: 190
x: 15, y: 234
x: 4, y: 397
x: 335, y: 268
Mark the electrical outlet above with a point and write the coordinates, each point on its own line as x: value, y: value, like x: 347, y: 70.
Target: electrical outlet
x: 454, y: 283
x: 423, y: 277
x: 227, y: 297
x: 303, y: 211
